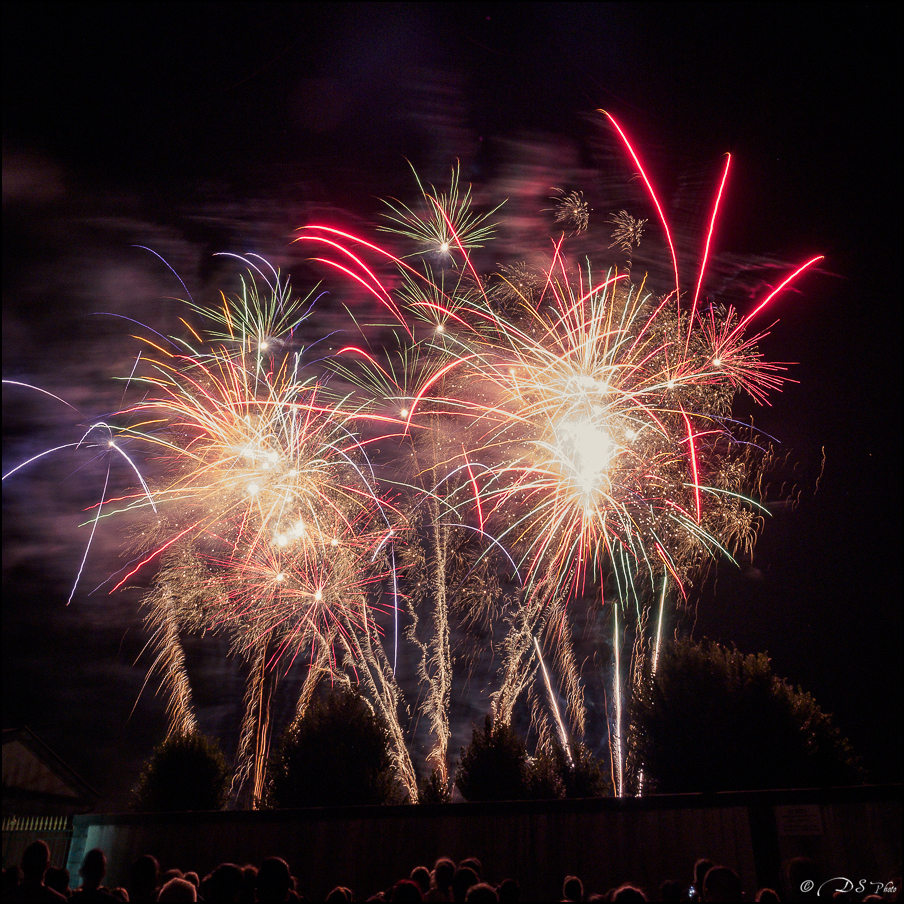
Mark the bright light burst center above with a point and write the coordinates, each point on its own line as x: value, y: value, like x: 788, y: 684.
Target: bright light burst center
x: 584, y: 449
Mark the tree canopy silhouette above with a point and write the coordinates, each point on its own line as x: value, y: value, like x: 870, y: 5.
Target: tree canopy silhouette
x: 713, y: 719
x: 185, y: 772
x: 494, y: 765
x: 337, y: 754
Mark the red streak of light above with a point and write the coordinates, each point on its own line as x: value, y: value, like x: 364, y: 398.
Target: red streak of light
x: 665, y: 561
x: 437, y: 376
x: 354, y: 257
x: 153, y: 555
x: 461, y: 247
x: 712, y: 224
x: 772, y: 295
x: 389, y: 305
x: 643, y: 174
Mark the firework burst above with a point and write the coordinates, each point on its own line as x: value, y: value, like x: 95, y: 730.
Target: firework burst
x: 593, y: 437
x: 267, y: 525
x: 552, y: 433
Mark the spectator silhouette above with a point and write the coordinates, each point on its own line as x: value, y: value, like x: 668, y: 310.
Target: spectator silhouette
x: 339, y: 895
x: 274, y: 882
x: 249, y: 884
x: 224, y: 884
x: 701, y: 868
x: 441, y: 883
x: 628, y: 894
x: 57, y: 878
x: 178, y: 890
x: 35, y: 862
x: 463, y: 879
x: 572, y: 889
x: 92, y: 871
x: 510, y: 891
x: 420, y: 875
x: 767, y: 896
x: 406, y: 892
x: 12, y: 876
x: 142, y: 885
x: 474, y: 864
x: 722, y: 884
x: 481, y: 893
x: 670, y: 891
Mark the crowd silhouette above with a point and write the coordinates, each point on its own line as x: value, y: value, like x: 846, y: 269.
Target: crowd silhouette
x: 272, y: 881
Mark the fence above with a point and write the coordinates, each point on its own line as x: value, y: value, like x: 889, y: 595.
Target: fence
x: 21, y: 831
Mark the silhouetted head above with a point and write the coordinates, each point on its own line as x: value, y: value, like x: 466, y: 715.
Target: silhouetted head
x: 670, y: 890
x: 701, y: 868
x: 443, y: 871
x: 572, y: 889
x: 178, y: 890
x: 57, y: 878
x: 463, y: 879
x: 225, y: 884
x: 12, y: 876
x: 406, y: 892
x: 510, y: 891
x: 722, y: 884
x: 420, y: 875
x: 94, y: 867
x: 474, y: 864
x: 143, y: 875
x: 273, y: 880
x: 481, y: 893
x: 35, y: 861
x: 628, y: 894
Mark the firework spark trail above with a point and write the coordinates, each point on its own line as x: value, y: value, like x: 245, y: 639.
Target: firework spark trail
x: 617, y: 684
x: 170, y: 664
x: 369, y: 662
x: 563, y: 734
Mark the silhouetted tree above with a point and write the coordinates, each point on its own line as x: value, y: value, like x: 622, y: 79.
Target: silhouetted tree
x: 713, y: 719
x: 544, y: 777
x: 494, y: 765
x: 432, y: 789
x: 582, y: 774
x: 559, y: 774
x: 337, y: 754
x: 185, y: 772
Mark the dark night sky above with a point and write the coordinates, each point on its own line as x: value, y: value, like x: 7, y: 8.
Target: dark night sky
x: 196, y: 128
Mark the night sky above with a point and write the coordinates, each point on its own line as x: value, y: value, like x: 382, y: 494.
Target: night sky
x: 200, y: 128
